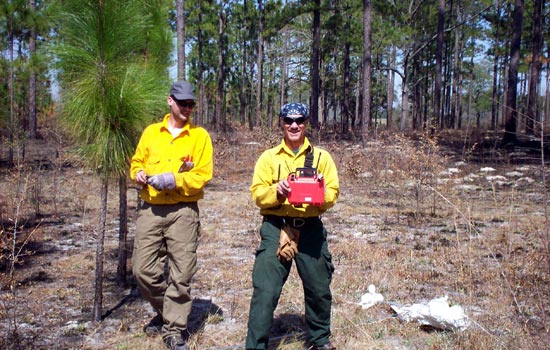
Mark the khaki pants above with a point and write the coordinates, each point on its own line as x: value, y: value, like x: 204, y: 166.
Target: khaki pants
x: 167, y: 232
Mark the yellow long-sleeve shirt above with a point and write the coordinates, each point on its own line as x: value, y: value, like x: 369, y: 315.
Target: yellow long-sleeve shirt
x: 159, y: 152
x: 276, y: 164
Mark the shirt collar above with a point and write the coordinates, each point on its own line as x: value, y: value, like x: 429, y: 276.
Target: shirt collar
x: 284, y: 148
x: 164, y: 124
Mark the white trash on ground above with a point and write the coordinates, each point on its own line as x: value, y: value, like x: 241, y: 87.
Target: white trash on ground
x: 371, y: 298
x: 436, y: 313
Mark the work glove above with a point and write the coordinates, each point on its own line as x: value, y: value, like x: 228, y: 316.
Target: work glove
x: 164, y: 181
x: 187, y: 164
x: 288, y: 243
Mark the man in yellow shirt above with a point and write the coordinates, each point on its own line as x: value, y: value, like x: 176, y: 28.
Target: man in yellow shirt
x: 293, y: 225
x: 173, y: 162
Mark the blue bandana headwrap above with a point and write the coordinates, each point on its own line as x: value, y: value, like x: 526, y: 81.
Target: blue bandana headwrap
x: 295, y: 108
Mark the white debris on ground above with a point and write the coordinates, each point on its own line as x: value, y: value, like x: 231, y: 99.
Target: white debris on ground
x: 473, y: 182
x: 496, y: 178
x: 527, y: 180
x: 371, y: 298
x: 436, y: 313
x: 468, y: 188
x: 449, y: 172
x: 514, y: 174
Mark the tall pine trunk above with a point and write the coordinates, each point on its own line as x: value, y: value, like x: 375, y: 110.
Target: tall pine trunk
x: 201, y: 114
x: 220, y: 115
x: 244, y: 64
x: 32, y: 77
x: 367, y: 64
x: 510, y: 126
x: 284, y: 67
x: 404, y: 95
x: 437, y: 119
x: 260, y: 61
x: 391, y: 87
x: 315, y: 64
x: 99, y: 253
x: 534, y: 69
x: 122, y: 232
x: 11, y: 91
x: 346, y: 100
x: 180, y: 34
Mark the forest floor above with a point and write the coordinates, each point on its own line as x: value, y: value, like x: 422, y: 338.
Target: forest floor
x: 420, y: 219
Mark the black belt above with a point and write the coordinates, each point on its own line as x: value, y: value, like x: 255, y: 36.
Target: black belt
x: 178, y: 205
x: 289, y: 220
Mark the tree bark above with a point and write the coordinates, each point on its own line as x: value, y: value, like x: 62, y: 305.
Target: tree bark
x: 220, y: 116
x: 180, y: 34
x: 404, y: 94
x: 470, y: 96
x: 365, y: 121
x: 534, y: 69
x: 260, y: 61
x: 244, y: 65
x: 455, y: 117
x: 390, y: 90
x: 437, y: 120
x: 284, y: 68
x: 547, y: 95
x: 494, y: 104
x: 315, y: 60
x: 347, y: 89
x: 32, y: 76
x: 510, y: 126
x: 122, y: 232
x: 200, y: 70
x: 11, y: 91
x: 99, y: 253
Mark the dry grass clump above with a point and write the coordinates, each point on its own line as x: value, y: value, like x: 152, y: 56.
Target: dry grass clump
x: 404, y: 171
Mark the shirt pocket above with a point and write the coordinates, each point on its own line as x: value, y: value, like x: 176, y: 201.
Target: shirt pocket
x: 153, y: 166
x: 280, y: 172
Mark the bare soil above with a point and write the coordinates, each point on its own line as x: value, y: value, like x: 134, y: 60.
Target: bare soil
x: 418, y: 219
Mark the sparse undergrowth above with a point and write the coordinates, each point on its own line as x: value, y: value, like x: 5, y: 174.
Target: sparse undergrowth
x: 414, y: 218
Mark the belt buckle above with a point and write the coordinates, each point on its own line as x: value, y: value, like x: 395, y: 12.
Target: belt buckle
x: 298, y: 222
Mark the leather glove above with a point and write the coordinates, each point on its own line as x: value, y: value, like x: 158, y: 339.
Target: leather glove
x: 162, y: 181
x: 288, y: 243
x: 187, y: 164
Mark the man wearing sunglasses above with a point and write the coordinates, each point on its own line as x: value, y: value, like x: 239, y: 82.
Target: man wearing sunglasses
x: 172, y: 162
x: 296, y: 227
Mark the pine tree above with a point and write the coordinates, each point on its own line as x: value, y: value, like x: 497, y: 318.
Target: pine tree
x: 110, y: 89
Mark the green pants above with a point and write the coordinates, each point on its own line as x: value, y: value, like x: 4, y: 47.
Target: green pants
x: 314, y: 264
x: 167, y: 232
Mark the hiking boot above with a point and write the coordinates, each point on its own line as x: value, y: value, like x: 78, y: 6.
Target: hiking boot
x: 175, y: 342
x: 327, y: 346
x: 154, y: 326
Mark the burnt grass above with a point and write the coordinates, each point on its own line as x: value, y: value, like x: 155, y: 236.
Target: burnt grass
x: 418, y: 218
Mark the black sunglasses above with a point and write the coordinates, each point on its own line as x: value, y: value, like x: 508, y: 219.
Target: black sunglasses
x: 289, y: 120
x: 184, y: 103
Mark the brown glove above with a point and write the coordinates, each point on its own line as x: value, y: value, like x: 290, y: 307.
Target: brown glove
x: 288, y: 243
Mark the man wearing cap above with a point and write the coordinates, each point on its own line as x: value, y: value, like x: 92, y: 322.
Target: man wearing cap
x: 294, y: 226
x: 173, y: 162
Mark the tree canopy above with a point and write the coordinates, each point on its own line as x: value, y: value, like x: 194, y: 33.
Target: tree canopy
x: 248, y: 57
